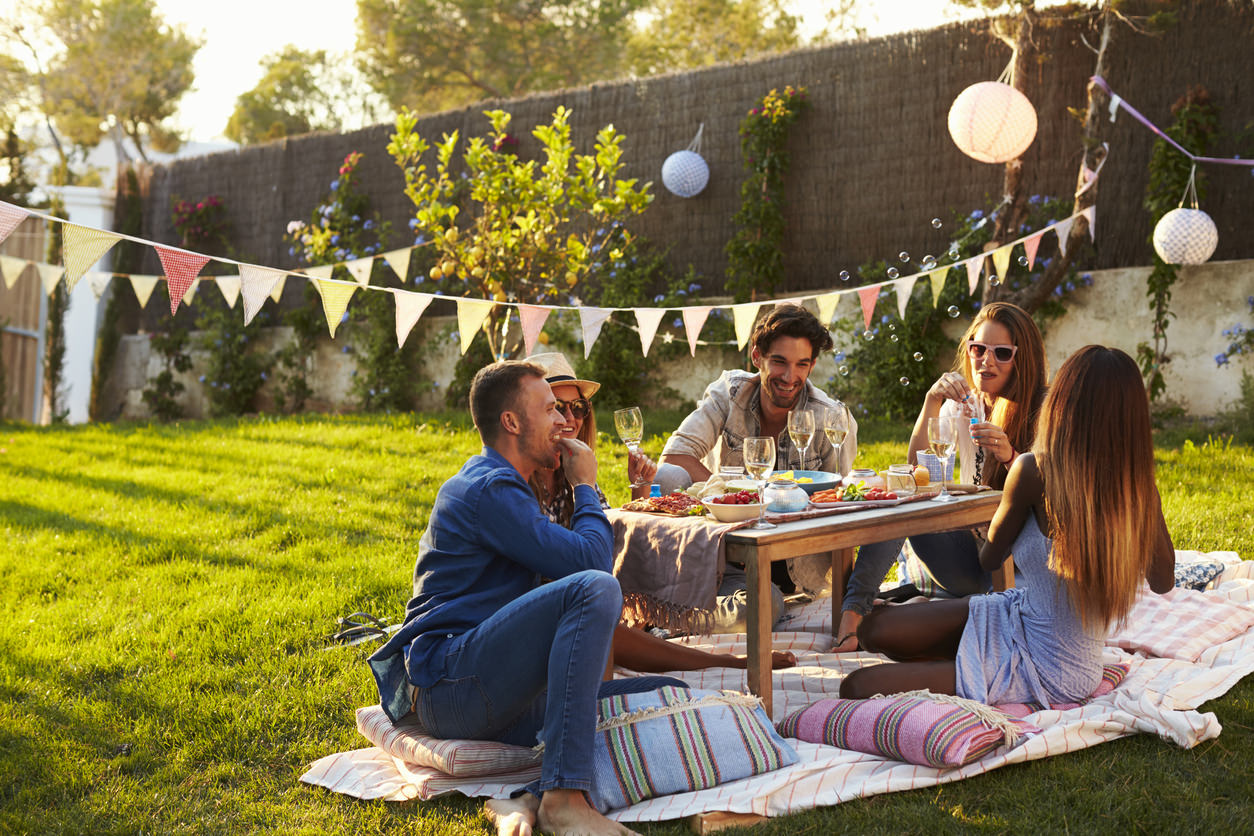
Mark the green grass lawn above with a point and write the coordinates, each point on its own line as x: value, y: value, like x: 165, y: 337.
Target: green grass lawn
x: 166, y: 593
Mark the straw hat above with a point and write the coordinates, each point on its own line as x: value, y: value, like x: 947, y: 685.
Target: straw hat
x: 557, y: 369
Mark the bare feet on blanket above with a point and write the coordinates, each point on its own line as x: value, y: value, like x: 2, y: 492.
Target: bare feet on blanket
x: 779, y: 659
x: 566, y: 812
x: 847, y: 632
x: 513, y: 816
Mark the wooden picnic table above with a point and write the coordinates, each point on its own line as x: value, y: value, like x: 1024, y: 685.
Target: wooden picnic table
x: 839, y: 535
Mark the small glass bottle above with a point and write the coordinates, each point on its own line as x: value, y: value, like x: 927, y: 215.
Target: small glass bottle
x: 784, y: 496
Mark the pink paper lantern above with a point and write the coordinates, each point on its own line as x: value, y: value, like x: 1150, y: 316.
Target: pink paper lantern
x: 992, y: 122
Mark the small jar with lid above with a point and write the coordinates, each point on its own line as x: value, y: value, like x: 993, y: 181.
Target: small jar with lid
x: 784, y: 496
x: 865, y: 475
x: 900, y: 479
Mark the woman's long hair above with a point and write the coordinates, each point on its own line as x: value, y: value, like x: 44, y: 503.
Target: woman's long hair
x: 1017, y: 406
x: 1096, y: 455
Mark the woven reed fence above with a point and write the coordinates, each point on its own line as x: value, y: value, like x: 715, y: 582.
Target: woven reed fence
x: 872, y: 161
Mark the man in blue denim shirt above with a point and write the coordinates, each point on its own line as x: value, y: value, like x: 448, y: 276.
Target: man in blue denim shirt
x: 487, y: 652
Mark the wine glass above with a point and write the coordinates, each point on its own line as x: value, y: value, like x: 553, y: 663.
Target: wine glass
x: 630, y: 425
x: 801, y: 431
x: 942, y: 435
x: 836, y: 426
x: 759, y: 456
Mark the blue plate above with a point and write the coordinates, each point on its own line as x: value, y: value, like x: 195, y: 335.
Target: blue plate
x: 822, y: 479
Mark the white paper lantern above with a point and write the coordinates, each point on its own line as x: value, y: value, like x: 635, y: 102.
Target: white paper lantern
x: 685, y: 173
x: 992, y: 122
x: 1185, y: 236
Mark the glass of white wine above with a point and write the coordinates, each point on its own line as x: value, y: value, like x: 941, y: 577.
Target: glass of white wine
x: 759, y: 456
x: 630, y: 425
x: 942, y: 435
x: 836, y: 427
x: 801, y: 431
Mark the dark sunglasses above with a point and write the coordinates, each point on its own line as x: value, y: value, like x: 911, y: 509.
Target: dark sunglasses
x: 1001, y: 353
x: 579, y: 407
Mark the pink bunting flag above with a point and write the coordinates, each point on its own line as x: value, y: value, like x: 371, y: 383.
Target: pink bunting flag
x: 590, y: 322
x: 255, y: 285
x: 694, y: 321
x: 648, y: 320
x: 1089, y: 213
x: 867, y: 296
x: 904, y: 288
x: 1030, y: 245
x: 973, y: 273
x: 82, y: 247
x: 1063, y: 230
x: 409, y: 308
x: 181, y: 269
x: 11, y: 218
x: 532, y: 319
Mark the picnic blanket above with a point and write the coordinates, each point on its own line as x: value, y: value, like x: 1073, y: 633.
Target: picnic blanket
x: 1160, y: 695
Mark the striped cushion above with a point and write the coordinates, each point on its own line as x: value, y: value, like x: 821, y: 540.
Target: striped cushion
x: 1112, y: 675
x: 410, y: 743
x: 675, y: 740
x: 916, y: 729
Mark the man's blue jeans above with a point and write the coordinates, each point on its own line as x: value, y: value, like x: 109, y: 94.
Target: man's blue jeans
x: 952, y: 558
x: 532, y: 672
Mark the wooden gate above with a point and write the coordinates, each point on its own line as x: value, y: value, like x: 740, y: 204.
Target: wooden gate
x: 23, y: 307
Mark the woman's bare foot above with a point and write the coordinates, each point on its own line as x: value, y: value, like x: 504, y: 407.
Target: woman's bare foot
x: 567, y: 812
x: 513, y: 816
x: 847, y: 632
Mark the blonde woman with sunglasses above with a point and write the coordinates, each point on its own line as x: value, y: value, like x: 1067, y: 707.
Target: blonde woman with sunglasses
x: 999, y: 375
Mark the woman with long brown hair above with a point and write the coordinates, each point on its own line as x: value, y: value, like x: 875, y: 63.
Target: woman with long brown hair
x: 1082, y: 515
x: 999, y: 372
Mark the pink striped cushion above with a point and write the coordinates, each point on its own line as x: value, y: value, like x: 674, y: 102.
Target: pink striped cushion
x: 1112, y: 675
x: 913, y: 729
x: 408, y: 741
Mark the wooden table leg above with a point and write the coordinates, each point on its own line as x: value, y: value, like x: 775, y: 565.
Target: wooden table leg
x: 842, y: 568
x: 758, y: 626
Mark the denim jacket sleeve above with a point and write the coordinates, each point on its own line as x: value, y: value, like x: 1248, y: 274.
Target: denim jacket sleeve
x: 697, y: 434
x: 513, y: 525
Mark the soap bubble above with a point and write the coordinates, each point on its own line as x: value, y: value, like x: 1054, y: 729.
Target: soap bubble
x: 953, y: 250
x: 905, y: 381
x: 892, y: 338
x: 844, y: 371
x: 929, y: 261
x: 892, y: 273
x: 953, y: 311
x: 1023, y: 261
x: 844, y: 275
x: 936, y: 223
x: 994, y: 281
x: 903, y: 256
x: 868, y: 335
x: 892, y: 326
x: 918, y: 356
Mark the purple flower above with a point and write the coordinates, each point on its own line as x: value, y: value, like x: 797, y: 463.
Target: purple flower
x: 1221, y: 359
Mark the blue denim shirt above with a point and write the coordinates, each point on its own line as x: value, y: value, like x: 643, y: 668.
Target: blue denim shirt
x: 487, y: 542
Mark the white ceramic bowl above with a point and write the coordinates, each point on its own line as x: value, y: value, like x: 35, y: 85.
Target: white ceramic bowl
x: 732, y: 513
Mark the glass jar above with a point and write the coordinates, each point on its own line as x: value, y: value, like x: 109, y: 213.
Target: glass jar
x: 900, y: 478
x: 784, y: 496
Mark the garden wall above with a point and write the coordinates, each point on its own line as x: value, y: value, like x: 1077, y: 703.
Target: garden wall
x: 1113, y: 311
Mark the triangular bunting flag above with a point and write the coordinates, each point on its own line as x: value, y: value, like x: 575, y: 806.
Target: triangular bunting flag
x: 1030, y: 245
x: 743, y: 317
x: 938, y: 283
x: 409, y: 307
x: 321, y: 271
x: 81, y: 248
x: 1001, y: 260
x: 398, y: 260
x: 648, y: 319
x: 99, y: 282
x: 531, y: 318
x: 181, y: 269
x: 190, y: 294
x: 49, y: 275
x: 255, y: 285
x: 590, y: 322
x: 867, y: 296
x: 360, y: 269
x: 1089, y: 213
x: 1063, y: 230
x: 229, y: 285
x: 470, y: 315
x: 904, y: 287
x: 276, y: 292
x: 12, y: 267
x: 143, y: 287
x: 694, y: 321
x: 10, y: 218
x: 973, y: 273
x: 827, y: 307
x: 335, y: 296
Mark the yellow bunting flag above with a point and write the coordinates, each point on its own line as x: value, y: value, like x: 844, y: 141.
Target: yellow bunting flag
x: 1001, y: 261
x: 867, y: 296
x: 12, y: 268
x: 10, y: 218
x: 694, y: 321
x: 470, y: 315
x: 937, y: 278
x: 743, y: 317
x: 190, y: 293
x: 276, y: 292
x: 409, y: 308
x: 648, y: 319
x: 973, y: 273
x: 335, y: 296
x: 230, y: 287
x: 904, y: 287
x: 143, y: 287
x: 827, y: 307
x: 256, y: 283
x: 81, y: 248
x: 49, y: 275
x: 360, y: 269
x: 532, y: 319
x: 590, y: 322
x: 398, y: 260
x: 181, y: 268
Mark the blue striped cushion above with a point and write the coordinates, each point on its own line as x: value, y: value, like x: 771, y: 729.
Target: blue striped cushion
x: 675, y: 740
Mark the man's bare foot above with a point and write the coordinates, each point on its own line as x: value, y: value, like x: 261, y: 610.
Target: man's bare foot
x: 567, y: 813
x: 847, y: 632
x: 513, y: 816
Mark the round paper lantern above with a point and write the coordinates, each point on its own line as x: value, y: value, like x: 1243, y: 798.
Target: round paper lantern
x: 685, y: 173
x: 992, y: 122
x: 1185, y: 236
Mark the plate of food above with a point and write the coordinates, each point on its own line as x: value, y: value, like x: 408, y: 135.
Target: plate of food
x: 808, y: 480
x: 677, y: 504
x: 855, y: 496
